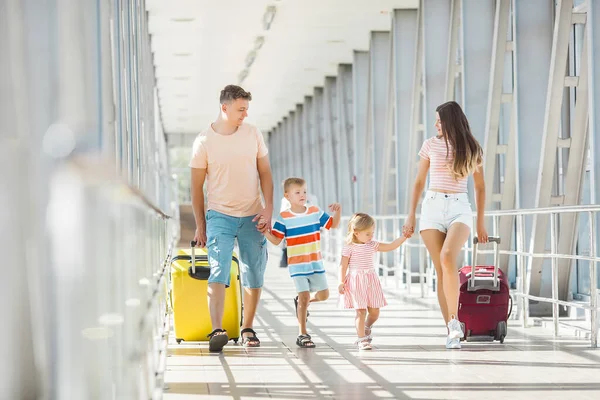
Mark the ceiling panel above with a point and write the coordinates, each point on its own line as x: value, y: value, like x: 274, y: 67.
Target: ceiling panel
x: 200, y: 46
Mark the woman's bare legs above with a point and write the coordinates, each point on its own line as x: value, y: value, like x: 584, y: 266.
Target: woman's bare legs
x: 434, y: 241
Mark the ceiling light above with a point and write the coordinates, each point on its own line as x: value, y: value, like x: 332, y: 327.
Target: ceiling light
x: 250, y: 58
x: 182, y: 54
x: 259, y: 42
x: 268, y: 17
x: 242, y: 75
x: 335, y: 41
x: 183, y: 19
x: 181, y: 95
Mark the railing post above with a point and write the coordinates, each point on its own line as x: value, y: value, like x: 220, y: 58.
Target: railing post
x: 397, y: 266
x: 408, y: 266
x: 522, y: 270
x: 553, y: 247
x: 422, y: 258
x: 593, y: 283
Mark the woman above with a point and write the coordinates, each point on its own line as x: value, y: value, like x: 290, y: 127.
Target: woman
x: 446, y: 215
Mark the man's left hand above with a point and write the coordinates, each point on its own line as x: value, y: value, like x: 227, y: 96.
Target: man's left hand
x: 264, y: 219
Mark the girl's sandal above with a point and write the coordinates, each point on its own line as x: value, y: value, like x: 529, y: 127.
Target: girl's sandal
x: 368, y: 333
x: 363, y: 343
x: 305, y: 341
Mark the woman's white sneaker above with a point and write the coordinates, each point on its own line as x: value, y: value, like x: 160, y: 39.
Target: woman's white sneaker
x: 455, y: 329
x: 452, y: 343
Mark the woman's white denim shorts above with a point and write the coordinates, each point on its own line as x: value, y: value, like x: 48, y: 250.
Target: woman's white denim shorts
x: 440, y: 210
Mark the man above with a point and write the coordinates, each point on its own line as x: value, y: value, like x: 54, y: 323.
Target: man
x: 231, y: 156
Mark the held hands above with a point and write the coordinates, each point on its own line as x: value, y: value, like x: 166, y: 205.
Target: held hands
x: 262, y: 225
x: 341, y: 288
x: 263, y: 219
x: 409, y: 226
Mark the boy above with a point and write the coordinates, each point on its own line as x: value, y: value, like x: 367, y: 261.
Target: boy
x: 300, y: 225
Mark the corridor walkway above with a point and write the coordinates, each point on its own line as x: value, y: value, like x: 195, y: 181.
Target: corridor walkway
x: 408, y: 361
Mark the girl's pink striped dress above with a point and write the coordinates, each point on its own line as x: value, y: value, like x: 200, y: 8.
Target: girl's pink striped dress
x: 362, y: 287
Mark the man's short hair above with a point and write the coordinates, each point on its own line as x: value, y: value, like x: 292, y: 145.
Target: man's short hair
x: 232, y: 93
x: 292, y: 182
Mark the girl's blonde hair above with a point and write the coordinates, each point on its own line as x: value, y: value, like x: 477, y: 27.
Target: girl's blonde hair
x: 358, y: 223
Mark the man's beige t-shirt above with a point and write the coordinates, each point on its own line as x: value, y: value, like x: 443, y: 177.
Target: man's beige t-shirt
x: 231, y: 171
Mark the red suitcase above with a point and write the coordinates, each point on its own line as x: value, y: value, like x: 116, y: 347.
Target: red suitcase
x: 484, y: 302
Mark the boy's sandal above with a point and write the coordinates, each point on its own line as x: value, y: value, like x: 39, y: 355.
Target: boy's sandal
x: 217, y: 339
x: 363, y: 343
x: 305, y: 341
x: 249, y: 341
x: 296, y: 307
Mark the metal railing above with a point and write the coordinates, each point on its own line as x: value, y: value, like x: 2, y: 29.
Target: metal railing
x: 110, y: 251
x: 399, y: 266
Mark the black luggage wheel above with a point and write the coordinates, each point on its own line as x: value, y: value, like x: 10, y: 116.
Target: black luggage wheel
x: 179, y: 341
x: 501, y: 331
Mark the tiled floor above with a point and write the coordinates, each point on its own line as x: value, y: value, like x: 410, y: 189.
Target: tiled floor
x: 408, y: 361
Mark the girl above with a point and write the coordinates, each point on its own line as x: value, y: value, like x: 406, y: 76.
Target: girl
x: 446, y: 216
x: 359, y: 282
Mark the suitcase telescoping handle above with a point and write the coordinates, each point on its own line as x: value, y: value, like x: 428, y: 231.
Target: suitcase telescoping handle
x: 496, y: 283
x: 193, y: 244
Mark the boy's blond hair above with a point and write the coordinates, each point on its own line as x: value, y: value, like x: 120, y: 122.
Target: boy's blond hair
x: 358, y: 223
x: 289, y: 182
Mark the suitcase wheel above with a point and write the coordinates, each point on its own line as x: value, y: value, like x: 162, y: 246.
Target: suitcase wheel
x: 179, y: 341
x: 465, y: 333
x: 235, y: 340
x: 501, y: 331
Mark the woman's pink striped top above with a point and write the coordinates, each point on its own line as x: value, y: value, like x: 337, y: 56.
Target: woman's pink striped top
x: 361, y: 255
x: 440, y: 177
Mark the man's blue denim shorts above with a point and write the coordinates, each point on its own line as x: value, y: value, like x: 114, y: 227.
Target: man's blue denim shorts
x: 221, y: 232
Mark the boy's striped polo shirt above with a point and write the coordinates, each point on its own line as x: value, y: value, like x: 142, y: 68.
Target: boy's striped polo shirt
x: 302, y: 233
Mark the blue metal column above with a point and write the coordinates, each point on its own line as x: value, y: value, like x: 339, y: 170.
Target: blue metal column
x: 593, y: 32
x: 319, y: 134
x: 331, y: 141
x: 311, y: 143
x: 360, y: 79
x: 293, y: 145
x: 287, y: 144
x: 436, y: 22
x: 533, y: 46
x: 377, y: 107
x: 300, y: 134
x: 404, y: 30
x: 346, y: 164
x: 477, y: 35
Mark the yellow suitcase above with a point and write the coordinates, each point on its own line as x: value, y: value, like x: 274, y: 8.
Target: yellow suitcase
x: 191, y: 317
x: 184, y: 252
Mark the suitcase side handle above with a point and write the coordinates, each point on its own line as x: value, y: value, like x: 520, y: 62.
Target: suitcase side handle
x: 496, y: 282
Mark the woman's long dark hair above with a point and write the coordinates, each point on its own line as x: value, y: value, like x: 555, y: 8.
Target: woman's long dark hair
x: 468, y: 154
